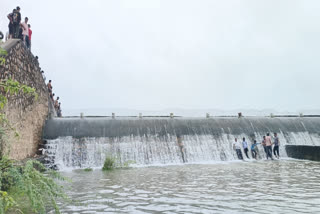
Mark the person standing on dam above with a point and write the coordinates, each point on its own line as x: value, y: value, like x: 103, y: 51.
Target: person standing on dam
x: 264, y: 145
x: 181, y: 146
x: 245, y: 147
x: 254, y: 150
x: 276, y: 146
x: 269, y: 146
x: 237, y: 146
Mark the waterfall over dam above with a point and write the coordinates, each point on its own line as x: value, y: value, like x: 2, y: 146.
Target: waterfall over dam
x: 86, y: 142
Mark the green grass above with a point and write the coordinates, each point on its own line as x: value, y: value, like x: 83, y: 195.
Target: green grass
x: 88, y: 169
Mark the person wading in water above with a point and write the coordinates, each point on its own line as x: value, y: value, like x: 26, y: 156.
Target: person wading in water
x: 181, y: 146
x: 269, y: 146
x: 276, y: 146
x: 245, y: 147
x: 237, y: 147
x: 254, y: 150
x: 264, y: 145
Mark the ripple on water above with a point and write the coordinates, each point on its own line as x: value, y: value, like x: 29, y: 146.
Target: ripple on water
x: 285, y: 186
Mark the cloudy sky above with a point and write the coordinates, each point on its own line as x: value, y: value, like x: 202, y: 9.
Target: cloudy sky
x: 192, y: 54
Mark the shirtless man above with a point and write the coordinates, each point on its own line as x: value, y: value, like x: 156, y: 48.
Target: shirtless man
x: 49, y: 86
x: 276, y: 146
x: 264, y: 145
x: 56, y: 104
x: 52, y: 97
x: 181, y: 146
x: 269, y: 146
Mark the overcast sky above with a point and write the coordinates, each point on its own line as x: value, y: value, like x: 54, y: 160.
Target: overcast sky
x: 157, y: 54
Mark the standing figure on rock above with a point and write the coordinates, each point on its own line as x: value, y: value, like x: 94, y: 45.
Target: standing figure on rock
x: 10, y: 17
x: 25, y: 32
x: 237, y: 146
x: 59, y: 111
x: 29, y: 34
x: 16, y: 19
x: 49, y: 86
x: 56, y: 104
x: 245, y: 147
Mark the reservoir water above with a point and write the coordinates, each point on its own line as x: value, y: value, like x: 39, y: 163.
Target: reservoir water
x: 183, y: 165
x: 280, y: 186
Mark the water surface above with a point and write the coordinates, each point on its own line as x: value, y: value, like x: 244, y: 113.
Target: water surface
x: 285, y: 186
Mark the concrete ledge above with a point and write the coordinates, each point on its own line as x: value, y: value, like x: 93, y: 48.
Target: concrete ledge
x: 303, y: 152
x: 118, y: 127
x: 8, y: 45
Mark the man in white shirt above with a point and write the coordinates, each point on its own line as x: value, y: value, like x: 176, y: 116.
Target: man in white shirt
x: 245, y: 147
x: 25, y: 31
x: 237, y: 147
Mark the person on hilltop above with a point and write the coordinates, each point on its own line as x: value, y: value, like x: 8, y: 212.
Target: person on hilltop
x: 276, y: 146
x: 49, y: 86
x: 16, y: 19
x: 59, y: 110
x: 269, y: 146
x: 44, y: 76
x: 237, y: 146
x: 56, y: 104
x: 25, y: 32
x: 10, y: 17
x: 245, y: 147
x: 52, y: 97
x: 29, y: 34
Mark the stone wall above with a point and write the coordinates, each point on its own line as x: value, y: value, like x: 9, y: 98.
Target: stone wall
x: 26, y: 114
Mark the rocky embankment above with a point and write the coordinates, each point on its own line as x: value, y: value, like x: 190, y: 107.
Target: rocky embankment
x: 26, y: 114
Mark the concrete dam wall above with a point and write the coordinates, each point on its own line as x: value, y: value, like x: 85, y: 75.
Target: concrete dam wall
x: 107, y: 127
x: 76, y: 142
x: 304, y: 152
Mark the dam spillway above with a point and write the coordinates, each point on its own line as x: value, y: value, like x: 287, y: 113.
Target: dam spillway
x: 86, y: 142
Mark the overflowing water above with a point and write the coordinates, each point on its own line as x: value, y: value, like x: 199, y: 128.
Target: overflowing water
x: 281, y: 186
x: 70, y: 153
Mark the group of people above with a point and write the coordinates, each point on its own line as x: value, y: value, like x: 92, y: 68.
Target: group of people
x: 56, y: 103
x: 267, y: 143
x: 18, y: 29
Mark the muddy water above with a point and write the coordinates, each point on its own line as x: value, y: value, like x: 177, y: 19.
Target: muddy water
x: 285, y: 186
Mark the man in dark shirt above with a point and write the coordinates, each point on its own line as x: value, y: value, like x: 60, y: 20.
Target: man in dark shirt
x: 10, y: 17
x: 276, y: 146
x: 16, y: 19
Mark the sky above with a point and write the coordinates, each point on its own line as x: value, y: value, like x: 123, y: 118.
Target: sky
x: 186, y: 54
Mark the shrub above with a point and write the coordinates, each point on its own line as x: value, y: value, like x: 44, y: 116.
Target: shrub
x: 27, y: 181
x: 87, y: 170
x: 109, y: 163
x: 113, y: 162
